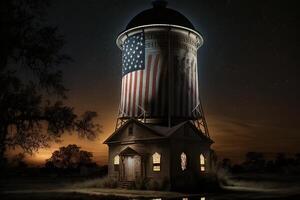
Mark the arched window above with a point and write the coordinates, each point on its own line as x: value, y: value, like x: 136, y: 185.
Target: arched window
x: 156, y: 161
x: 183, y: 161
x: 116, y: 162
x: 202, y: 163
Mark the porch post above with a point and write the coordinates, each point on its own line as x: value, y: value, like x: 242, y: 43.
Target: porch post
x: 122, y: 168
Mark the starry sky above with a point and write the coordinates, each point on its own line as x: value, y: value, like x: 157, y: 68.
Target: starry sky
x: 248, y: 69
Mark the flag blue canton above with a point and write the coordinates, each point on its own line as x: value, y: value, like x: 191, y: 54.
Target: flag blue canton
x: 133, y: 54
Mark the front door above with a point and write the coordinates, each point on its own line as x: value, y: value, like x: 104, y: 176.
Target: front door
x: 132, y: 167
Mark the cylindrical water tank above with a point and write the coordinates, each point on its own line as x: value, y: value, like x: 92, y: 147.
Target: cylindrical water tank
x: 159, y: 68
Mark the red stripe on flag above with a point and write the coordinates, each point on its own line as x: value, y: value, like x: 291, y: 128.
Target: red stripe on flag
x: 121, y: 103
x: 125, y: 96
x: 129, y: 93
x: 147, y: 82
x: 134, y: 93
x: 141, y: 90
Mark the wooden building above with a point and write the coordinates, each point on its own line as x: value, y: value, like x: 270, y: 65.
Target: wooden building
x: 138, y: 150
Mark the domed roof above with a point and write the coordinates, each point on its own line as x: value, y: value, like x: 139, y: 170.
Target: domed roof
x: 160, y: 14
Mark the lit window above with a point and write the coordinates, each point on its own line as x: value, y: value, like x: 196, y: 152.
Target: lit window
x: 156, y: 161
x: 156, y: 168
x: 202, y: 163
x: 183, y: 161
x: 116, y: 162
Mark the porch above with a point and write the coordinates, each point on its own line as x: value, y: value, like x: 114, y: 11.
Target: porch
x: 132, y: 165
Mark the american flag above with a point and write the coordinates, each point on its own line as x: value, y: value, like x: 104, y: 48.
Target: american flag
x: 145, y: 81
x: 133, y: 57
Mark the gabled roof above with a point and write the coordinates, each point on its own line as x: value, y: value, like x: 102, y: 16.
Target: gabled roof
x: 129, y: 151
x: 133, y: 151
x: 159, y: 131
x: 130, y: 121
x: 166, y: 131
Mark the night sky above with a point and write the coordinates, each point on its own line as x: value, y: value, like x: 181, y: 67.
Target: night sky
x: 248, y: 69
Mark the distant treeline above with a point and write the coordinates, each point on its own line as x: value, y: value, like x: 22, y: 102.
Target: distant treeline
x: 67, y: 161
x: 257, y: 163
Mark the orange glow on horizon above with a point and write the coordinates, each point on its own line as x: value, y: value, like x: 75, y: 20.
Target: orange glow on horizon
x: 99, y: 150
x: 231, y: 141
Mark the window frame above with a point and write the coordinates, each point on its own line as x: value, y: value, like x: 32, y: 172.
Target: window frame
x: 202, y: 163
x: 181, y: 161
x: 156, y: 164
x: 116, y: 165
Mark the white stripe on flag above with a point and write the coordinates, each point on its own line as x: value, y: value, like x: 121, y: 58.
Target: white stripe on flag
x: 122, y: 97
x: 127, y: 94
x: 137, y: 93
x: 143, y: 103
x: 131, y: 92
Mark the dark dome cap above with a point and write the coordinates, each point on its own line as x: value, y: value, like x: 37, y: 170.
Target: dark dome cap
x: 160, y: 14
x: 159, y: 3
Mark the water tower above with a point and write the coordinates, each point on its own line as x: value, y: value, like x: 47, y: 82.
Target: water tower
x: 161, y: 133
x: 159, y: 69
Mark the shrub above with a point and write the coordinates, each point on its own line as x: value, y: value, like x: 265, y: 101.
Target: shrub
x: 165, y: 185
x: 152, y: 185
x: 223, y: 177
x: 141, y: 183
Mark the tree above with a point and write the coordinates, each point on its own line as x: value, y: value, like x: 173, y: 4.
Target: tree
x: 281, y: 159
x: 255, y: 161
x: 18, y: 161
x: 70, y: 157
x: 32, y: 112
x: 226, y: 164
